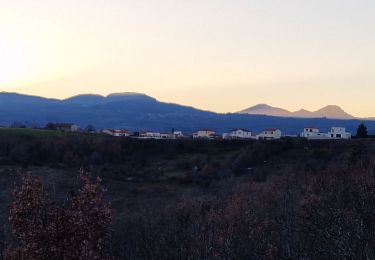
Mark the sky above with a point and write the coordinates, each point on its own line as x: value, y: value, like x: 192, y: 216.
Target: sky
x: 218, y: 55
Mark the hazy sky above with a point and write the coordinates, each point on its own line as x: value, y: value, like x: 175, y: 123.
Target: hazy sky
x: 220, y: 55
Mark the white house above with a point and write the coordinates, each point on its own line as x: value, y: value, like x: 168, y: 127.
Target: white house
x: 167, y: 136
x: 178, y: 134
x: 239, y: 134
x: 153, y: 135
x: 107, y: 131
x: 121, y: 132
x: 204, y: 134
x: 312, y: 133
x: 149, y: 135
x: 339, y: 133
x: 270, y: 134
x: 117, y: 132
x: 157, y: 135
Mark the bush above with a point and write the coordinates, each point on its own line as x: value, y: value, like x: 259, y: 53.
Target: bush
x: 44, y: 230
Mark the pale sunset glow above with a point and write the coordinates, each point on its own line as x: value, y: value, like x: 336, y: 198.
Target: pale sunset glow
x: 219, y: 55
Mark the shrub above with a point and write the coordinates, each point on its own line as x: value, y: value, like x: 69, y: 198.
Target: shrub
x: 44, y: 230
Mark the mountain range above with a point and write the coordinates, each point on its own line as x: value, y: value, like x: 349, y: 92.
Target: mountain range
x: 135, y: 111
x: 331, y: 111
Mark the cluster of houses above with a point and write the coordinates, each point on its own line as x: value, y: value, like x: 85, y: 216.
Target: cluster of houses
x: 267, y: 134
x: 311, y: 133
x: 144, y: 135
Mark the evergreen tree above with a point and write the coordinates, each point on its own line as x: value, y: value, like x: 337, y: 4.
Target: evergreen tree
x: 90, y: 129
x: 362, y: 131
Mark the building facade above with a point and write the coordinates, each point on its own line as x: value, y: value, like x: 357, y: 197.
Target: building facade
x: 239, y: 134
x: 339, y: 133
x: 204, y: 134
x: 270, y: 134
x: 311, y: 133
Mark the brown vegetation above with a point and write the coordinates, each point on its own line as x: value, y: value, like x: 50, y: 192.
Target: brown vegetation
x: 44, y: 230
x: 286, y: 199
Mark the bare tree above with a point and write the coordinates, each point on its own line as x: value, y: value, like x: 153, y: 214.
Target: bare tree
x: 44, y: 230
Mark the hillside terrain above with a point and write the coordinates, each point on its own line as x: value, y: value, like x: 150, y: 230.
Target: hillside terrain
x: 139, y: 112
x: 288, y: 198
x: 331, y: 111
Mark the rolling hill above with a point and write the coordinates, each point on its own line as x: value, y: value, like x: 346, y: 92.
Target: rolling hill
x: 137, y: 111
x: 331, y: 111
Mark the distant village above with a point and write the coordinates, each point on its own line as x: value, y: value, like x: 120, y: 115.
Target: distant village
x: 309, y: 132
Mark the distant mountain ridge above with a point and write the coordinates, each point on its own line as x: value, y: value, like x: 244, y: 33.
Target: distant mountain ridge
x: 138, y: 112
x: 91, y: 99
x: 330, y: 111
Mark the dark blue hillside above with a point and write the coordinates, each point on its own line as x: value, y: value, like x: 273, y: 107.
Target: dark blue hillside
x: 140, y: 112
